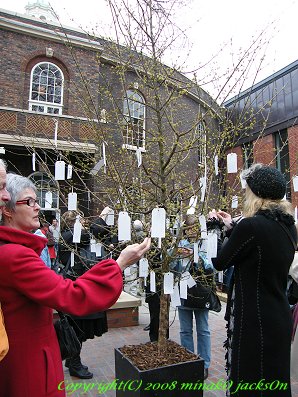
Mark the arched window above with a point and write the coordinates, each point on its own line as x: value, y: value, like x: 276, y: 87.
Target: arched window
x: 46, y: 88
x: 134, y: 118
x: 45, y: 185
x: 201, y: 139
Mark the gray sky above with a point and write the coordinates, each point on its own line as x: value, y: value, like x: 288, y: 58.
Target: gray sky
x: 214, y: 26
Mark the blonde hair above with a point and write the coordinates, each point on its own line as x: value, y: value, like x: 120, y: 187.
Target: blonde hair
x: 253, y: 204
x: 68, y: 219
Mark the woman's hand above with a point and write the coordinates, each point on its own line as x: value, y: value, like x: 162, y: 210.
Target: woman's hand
x: 133, y: 253
x: 226, y: 218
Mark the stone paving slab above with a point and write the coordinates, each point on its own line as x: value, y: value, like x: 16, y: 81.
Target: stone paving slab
x: 98, y: 354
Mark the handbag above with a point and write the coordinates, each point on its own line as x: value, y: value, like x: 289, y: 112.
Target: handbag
x: 4, y: 346
x: 67, y: 334
x: 293, y: 272
x: 203, y: 294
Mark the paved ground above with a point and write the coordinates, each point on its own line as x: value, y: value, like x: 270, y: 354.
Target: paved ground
x: 98, y: 354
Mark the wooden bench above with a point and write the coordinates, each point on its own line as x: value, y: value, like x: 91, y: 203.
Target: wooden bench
x: 125, y: 312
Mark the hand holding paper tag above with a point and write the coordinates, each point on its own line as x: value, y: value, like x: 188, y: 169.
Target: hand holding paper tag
x: 133, y: 253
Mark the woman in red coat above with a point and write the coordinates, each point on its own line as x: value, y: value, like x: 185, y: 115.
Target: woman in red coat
x: 29, y: 290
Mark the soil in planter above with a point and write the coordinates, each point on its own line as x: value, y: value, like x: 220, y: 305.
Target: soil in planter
x: 145, y: 356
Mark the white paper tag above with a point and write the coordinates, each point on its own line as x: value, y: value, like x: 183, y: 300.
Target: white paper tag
x: 77, y: 230
x: 203, y: 226
x: 110, y: 219
x: 203, y: 183
x: 48, y: 200
x: 72, y: 259
x: 216, y: 164
x: 92, y: 245
x: 295, y: 183
x: 34, y: 161
x: 72, y: 201
x: 168, y: 283
x: 220, y: 276
x: 127, y: 271
x: 139, y: 156
x: 232, y: 163
x: 192, y: 205
x: 235, y: 202
x: 212, y: 246
x: 152, y: 281
x: 69, y: 171
x: 243, y: 182
x: 158, y: 225
x: 175, y: 297
x: 60, y: 171
x: 56, y: 133
x: 98, y: 249
x: 183, y: 288
x: 124, y: 226
x: 196, y: 252
x: 190, y: 281
x: 143, y: 267
x: 296, y: 214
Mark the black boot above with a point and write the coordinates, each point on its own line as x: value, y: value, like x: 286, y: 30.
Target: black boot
x: 76, y: 369
x: 67, y: 363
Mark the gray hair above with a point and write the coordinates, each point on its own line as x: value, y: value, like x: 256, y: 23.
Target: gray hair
x: 15, y: 184
x: 3, y: 164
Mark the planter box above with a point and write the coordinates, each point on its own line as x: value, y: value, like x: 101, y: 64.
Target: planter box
x: 177, y: 380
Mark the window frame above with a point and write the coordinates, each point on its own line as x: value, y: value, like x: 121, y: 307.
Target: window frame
x: 44, y: 106
x: 128, y: 130
x: 38, y: 178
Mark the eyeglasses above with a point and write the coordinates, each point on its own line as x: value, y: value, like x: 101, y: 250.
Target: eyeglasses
x: 31, y: 202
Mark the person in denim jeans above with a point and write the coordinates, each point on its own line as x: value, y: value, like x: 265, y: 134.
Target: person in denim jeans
x: 186, y: 314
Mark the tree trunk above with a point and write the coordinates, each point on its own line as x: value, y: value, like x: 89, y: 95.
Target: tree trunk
x: 163, y: 323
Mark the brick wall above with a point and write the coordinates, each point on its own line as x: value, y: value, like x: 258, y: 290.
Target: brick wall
x: 264, y: 150
x: 123, y: 317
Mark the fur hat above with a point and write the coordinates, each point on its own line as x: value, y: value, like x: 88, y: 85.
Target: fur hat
x: 265, y: 182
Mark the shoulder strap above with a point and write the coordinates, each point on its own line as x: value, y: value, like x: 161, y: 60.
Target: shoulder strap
x: 289, y: 235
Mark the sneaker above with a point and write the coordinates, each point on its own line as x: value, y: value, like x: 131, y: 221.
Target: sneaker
x: 205, y: 373
x: 147, y: 328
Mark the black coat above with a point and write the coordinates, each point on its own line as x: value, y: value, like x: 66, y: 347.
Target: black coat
x: 261, y: 253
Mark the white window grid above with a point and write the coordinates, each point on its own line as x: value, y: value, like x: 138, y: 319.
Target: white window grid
x: 46, y: 89
x: 134, y: 119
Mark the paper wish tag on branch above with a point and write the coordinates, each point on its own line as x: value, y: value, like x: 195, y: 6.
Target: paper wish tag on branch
x: 77, y: 230
x: 48, y: 200
x: 242, y: 181
x: 158, y: 223
x: 168, y: 283
x: 235, y: 202
x: 203, y: 184
x: 192, y: 205
x: 189, y: 279
x: 143, y: 267
x: 110, y: 219
x: 152, y: 281
x: 124, y: 226
x: 216, y: 164
x: 69, y: 171
x: 72, y: 201
x: 183, y: 287
x: 211, y: 246
x: 175, y: 297
x: 295, y: 183
x: 232, y: 163
x: 203, y: 226
x: 60, y: 171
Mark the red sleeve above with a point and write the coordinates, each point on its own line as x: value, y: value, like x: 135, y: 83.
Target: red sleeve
x: 96, y: 290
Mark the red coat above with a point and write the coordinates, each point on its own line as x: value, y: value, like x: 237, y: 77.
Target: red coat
x: 28, y: 292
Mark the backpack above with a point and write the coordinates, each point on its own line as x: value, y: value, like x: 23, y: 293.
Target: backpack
x: 3, y: 337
